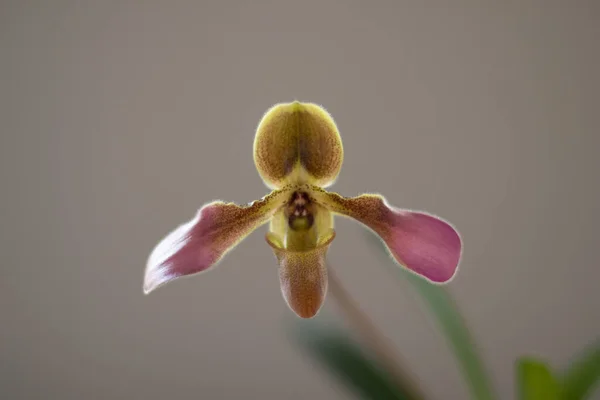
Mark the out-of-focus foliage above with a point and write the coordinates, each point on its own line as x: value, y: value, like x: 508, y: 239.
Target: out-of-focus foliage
x: 346, y: 360
x: 451, y: 325
x: 535, y: 381
x: 361, y: 372
x: 580, y: 379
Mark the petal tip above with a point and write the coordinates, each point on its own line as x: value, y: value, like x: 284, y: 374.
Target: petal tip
x: 155, y: 277
x: 307, y: 313
x: 441, y: 279
x: 424, y: 244
x: 305, y: 309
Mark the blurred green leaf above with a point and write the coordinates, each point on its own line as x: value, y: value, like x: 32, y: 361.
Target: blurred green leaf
x: 451, y: 323
x: 535, y: 381
x: 580, y: 378
x: 345, y: 359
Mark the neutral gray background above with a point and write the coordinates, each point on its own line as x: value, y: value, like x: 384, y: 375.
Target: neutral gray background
x: 119, y: 119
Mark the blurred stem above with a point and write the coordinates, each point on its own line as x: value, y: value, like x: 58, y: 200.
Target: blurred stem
x: 454, y: 328
x: 375, y: 341
x: 451, y: 323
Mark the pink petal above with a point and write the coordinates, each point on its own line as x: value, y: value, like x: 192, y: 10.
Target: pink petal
x: 423, y: 243
x: 201, y: 243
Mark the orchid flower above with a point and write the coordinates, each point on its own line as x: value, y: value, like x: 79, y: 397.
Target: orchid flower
x: 298, y: 153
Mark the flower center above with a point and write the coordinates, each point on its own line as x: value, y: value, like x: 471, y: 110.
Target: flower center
x: 299, y: 211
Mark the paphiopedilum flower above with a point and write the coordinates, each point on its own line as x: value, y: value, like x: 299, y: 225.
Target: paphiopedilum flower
x: 298, y: 153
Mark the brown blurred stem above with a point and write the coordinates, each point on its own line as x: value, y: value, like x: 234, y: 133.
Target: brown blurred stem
x: 375, y: 341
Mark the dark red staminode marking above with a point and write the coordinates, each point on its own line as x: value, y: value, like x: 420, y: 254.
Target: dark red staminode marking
x: 299, y: 211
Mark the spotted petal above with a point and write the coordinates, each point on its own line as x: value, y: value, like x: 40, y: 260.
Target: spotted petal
x: 303, y: 275
x: 423, y: 243
x: 201, y: 243
x: 297, y: 142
